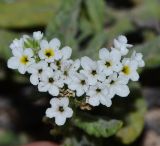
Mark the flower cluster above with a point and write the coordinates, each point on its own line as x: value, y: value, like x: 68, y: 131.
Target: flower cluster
x: 53, y: 71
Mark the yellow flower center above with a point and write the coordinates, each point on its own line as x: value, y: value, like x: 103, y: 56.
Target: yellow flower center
x: 126, y: 70
x: 49, y: 53
x: 24, y: 59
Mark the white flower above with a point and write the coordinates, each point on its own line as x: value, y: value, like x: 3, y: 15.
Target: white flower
x: 79, y: 84
x: 50, y: 51
x: 138, y: 58
x: 109, y: 61
x: 59, y: 110
x: 21, y: 60
x: 98, y: 94
x: 121, y: 44
x: 91, y: 70
x: 38, y: 35
x: 37, y: 70
x: 117, y: 86
x: 129, y: 69
x: 51, y: 82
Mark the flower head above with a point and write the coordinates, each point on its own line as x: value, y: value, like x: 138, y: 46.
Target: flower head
x: 121, y: 44
x: 59, y: 110
x: 117, y: 85
x: 129, y: 69
x: 51, y: 82
x: 50, y: 50
x: 37, y: 70
x: 21, y: 60
x: 98, y: 94
x: 109, y: 61
x: 138, y: 58
x: 91, y: 70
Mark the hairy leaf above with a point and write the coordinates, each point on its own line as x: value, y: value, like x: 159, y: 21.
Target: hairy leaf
x: 99, y: 128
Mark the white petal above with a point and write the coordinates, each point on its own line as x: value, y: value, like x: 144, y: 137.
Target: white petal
x: 106, y: 101
x: 122, y: 90
x: 68, y: 112
x: 22, y: 69
x: 44, y: 44
x: 87, y: 63
x: 59, y: 120
x: 103, y: 53
x: 79, y: 92
x: 92, y: 81
x: 64, y: 101
x: 13, y: 63
x: 41, y: 54
x: 115, y: 55
x: 43, y: 87
x: 34, y: 79
x: 54, y: 102
x: 32, y: 69
x: 66, y: 52
x: 17, y: 51
x: 93, y: 101
x: 134, y: 76
x: 55, y: 43
x: 53, y: 90
x: 28, y: 52
x: 76, y: 65
x: 58, y: 54
x: 50, y: 113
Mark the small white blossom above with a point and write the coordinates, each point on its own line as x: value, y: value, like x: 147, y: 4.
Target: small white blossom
x: 21, y: 60
x: 59, y: 110
x: 98, y: 94
x: 91, y: 70
x: 51, y: 82
x: 79, y: 84
x: 37, y: 70
x: 138, y: 58
x: 38, y: 35
x: 129, y: 69
x: 117, y: 86
x: 50, y: 50
x: 109, y: 61
x: 121, y: 44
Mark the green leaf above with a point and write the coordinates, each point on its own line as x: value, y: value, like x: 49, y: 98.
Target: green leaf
x: 7, y: 138
x: 27, y: 13
x: 99, y: 128
x: 65, y: 24
x: 96, y: 11
x: 151, y: 52
x: 134, y: 123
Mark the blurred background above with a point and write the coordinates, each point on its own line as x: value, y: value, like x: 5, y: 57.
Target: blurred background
x: 86, y: 26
